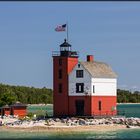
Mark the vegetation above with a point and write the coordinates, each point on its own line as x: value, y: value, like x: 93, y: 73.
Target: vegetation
x: 28, y: 95
x: 8, y: 97
x: 125, y: 96
x: 30, y: 115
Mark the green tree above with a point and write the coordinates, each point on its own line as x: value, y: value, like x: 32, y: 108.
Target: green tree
x: 27, y: 95
x: 8, y: 97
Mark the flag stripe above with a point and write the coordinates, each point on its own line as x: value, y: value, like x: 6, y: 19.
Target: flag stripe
x: 60, y: 28
x: 64, y: 25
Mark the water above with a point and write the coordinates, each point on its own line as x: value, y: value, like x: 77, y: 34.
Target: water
x: 121, y: 134
x: 48, y: 108
x: 131, y: 110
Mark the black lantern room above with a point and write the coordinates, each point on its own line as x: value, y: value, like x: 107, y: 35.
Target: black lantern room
x: 65, y: 49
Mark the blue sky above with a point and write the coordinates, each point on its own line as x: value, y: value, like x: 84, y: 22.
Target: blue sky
x: 108, y: 30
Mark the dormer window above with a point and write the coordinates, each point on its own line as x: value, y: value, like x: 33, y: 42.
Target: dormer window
x: 79, y: 74
x: 78, y: 65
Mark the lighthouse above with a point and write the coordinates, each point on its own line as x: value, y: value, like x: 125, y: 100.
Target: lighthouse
x: 63, y: 63
x: 82, y: 88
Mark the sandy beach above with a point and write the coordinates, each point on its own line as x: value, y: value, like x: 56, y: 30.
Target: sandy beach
x: 51, y: 129
x: 73, y: 124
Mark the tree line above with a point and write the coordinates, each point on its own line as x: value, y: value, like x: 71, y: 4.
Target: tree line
x: 27, y: 95
x: 125, y: 96
x: 31, y: 95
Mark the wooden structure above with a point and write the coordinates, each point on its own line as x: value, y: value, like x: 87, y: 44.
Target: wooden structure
x: 17, y: 109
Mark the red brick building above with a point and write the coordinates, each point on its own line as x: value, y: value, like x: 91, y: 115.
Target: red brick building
x: 82, y: 88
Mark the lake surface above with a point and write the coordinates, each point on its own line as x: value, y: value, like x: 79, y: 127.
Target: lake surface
x: 43, y: 109
x: 131, y: 110
x: 125, y: 134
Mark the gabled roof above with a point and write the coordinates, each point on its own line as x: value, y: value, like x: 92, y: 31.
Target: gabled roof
x: 6, y: 106
x: 99, y: 69
x: 18, y: 104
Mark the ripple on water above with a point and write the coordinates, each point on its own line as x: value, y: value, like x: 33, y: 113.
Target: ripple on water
x: 119, y: 134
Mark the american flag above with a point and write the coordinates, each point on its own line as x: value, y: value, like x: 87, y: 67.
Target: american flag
x: 60, y: 28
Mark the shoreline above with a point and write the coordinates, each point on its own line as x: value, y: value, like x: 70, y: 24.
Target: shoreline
x: 127, y: 103
x: 66, y: 125
x: 66, y: 129
x: 52, y: 104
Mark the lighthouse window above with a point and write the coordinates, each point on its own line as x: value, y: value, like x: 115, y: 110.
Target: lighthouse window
x: 60, y: 74
x: 79, y: 87
x: 79, y: 73
x: 60, y: 88
x: 60, y: 62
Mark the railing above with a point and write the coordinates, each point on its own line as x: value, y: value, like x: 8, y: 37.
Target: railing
x: 55, y: 53
x: 65, y: 53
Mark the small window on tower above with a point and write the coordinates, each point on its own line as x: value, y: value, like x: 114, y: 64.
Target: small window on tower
x: 79, y: 73
x: 60, y: 74
x: 60, y: 88
x: 60, y: 62
x: 79, y: 87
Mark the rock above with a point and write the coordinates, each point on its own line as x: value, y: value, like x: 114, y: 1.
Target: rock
x: 138, y: 123
x: 73, y: 123
x: 87, y: 123
x: 57, y: 120
x: 73, y: 118
x: 82, y: 122
x: 107, y: 122
x: 127, y: 126
x: 68, y: 122
x: 63, y: 120
x: 91, y: 120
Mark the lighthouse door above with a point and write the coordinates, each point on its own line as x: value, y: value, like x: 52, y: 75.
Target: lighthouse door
x: 79, y: 107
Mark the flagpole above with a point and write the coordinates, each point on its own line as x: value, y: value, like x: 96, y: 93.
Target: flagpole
x: 67, y: 33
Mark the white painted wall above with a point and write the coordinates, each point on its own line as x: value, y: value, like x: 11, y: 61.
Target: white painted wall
x: 103, y: 86
x: 73, y: 80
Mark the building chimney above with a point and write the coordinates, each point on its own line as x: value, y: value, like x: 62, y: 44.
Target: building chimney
x: 90, y: 58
